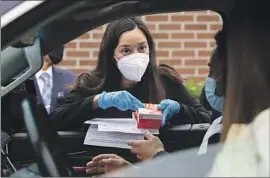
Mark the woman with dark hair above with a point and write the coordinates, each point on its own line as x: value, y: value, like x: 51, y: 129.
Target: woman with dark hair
x: 126, y: 76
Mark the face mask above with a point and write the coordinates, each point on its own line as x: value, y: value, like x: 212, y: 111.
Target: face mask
x: 133, y: 66
x: 216, y: 102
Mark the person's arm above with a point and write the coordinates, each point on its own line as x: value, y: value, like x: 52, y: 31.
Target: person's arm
x: 106, y: 163
x: 147, y: 149
x: 79, y: 107
x: 75, y: 110
x: 161, y: 153
x: 191, y: 111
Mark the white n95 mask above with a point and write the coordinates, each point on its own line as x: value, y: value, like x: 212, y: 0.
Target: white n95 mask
x: 133, y: 66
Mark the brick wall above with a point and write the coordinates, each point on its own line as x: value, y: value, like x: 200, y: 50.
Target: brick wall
x: 183, y: 40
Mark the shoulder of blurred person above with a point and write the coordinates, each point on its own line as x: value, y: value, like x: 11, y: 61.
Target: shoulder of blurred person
x: 63, y: 79
x: 65, y: 71
x: 67, y: 74
x: 246, y: 145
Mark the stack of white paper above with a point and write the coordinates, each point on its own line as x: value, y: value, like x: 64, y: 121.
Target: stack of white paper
x: 113, y: 132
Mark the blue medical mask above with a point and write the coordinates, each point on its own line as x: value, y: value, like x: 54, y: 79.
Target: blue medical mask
x: 216, y: 102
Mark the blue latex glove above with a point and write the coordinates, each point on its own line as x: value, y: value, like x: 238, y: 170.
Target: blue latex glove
x: 168, y: 108
x: 122, y: 100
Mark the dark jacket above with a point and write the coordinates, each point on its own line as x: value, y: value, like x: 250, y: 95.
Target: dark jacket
x: 61, y: 78
x: 77, y: 108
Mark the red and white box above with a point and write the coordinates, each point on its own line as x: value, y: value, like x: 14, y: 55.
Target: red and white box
x: 148, y: 117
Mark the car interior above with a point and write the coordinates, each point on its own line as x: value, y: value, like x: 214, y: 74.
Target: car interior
x: 30, y: 145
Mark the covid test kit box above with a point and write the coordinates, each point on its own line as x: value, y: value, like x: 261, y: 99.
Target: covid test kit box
x: 148, y: 117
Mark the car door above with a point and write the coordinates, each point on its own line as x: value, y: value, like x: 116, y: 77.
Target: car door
x: 48, y: 19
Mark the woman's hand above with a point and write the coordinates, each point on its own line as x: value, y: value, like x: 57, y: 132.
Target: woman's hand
x: 122, y: 100
x: 105, y: 163
x: 146, y: 149
x: 168, y: 108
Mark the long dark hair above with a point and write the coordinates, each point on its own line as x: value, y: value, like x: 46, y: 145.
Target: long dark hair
x: 248, y: 90
x: 168, y: 71
x: 107, y: 77
x: 219, y: 62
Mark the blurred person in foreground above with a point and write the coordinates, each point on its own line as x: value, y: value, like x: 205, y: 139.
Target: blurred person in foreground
x: 245, y: 134
x: 246, y: 119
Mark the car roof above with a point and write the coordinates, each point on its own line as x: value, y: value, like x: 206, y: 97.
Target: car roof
x: 11, y: 10
x: 79, y: 17
x: 6, y: 6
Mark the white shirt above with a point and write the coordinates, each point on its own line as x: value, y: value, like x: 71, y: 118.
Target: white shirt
x: 40, y: 81
x: 245, y: 152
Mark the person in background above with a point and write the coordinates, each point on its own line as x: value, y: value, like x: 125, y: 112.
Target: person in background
x: 212, y: 95
x: 215, y: 87
x: 51, y: 81
x: 127, y: 76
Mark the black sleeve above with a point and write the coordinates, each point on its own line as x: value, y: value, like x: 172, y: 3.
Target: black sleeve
x: 75, y: 110
x: 191, y: 111
x: 161, y: 153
